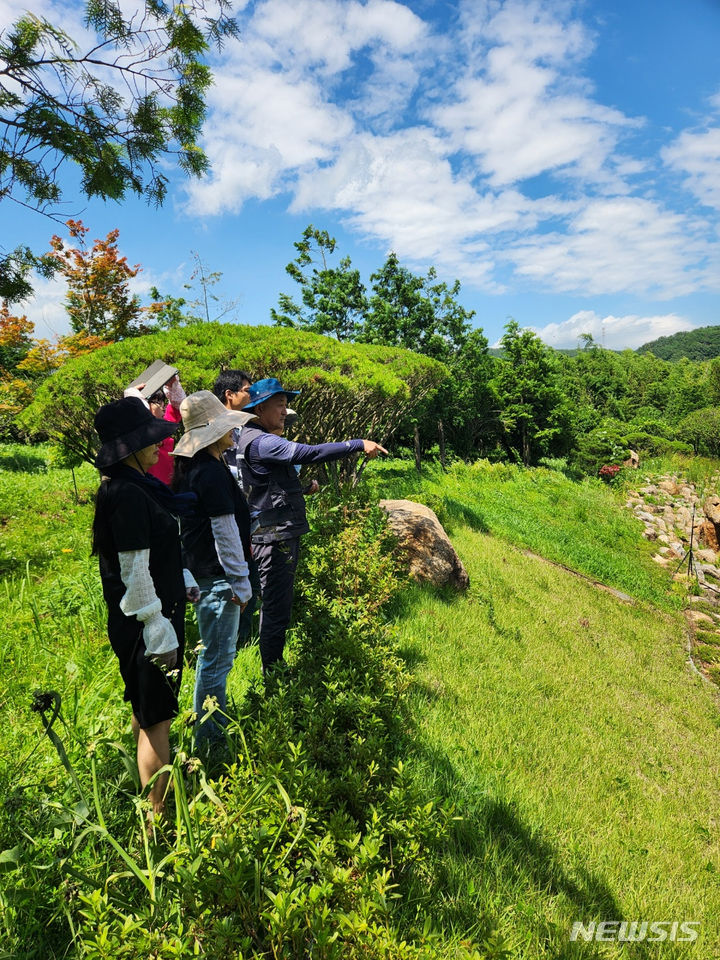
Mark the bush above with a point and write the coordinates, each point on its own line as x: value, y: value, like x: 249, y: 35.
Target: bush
x: 664, y: 448
x: 609, y: 472
x: 347, y: 390
x: 604, y: 444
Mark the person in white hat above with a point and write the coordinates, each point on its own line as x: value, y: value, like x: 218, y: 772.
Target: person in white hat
x: 216, y: 548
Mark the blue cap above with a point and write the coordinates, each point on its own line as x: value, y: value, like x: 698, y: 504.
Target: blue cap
x: 264, y: 389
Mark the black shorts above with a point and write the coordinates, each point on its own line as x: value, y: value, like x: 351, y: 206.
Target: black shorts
x: 151, y: 693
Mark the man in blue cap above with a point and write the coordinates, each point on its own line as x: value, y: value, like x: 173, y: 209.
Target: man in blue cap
x: 277, y: 504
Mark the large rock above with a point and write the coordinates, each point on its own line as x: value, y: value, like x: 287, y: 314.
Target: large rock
x: 420, y: 535
x: 669, y: 486
x: 633, y: 461
x: 711, y: 509
x: 683, y: 519
x: 709, y: 535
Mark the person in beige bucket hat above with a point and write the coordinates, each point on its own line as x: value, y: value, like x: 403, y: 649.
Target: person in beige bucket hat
x: 205, y: 421
x: 216, y: 548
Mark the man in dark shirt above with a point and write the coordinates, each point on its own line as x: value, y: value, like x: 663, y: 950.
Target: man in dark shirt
x: 232, y: 388
x: 277, y: 504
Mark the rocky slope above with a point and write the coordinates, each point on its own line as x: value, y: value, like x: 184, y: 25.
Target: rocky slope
x: 686, y: 527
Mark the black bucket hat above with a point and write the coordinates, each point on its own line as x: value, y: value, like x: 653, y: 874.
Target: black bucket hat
x: 126, y: 426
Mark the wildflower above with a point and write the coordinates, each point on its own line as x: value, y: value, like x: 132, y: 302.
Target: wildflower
x: 194, y: 764
x: 67, y: 550
x: 210, y: 704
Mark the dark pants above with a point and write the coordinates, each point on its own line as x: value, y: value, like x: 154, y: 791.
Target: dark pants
x: 246, y: 617
x: 152, y: 694
x: 277, y: 563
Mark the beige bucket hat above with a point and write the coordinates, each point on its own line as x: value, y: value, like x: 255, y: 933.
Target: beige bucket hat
x: 205, y: 420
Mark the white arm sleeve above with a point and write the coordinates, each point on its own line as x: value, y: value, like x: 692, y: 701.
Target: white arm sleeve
x: 229, y: 547
x: 140, y: 600
x: 174, y: 392
x: 189, y: 579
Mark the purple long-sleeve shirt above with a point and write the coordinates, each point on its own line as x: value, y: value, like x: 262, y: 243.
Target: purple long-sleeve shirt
x: 271, y: 449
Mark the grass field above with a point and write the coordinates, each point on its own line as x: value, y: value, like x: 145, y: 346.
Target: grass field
x: 581, y: 753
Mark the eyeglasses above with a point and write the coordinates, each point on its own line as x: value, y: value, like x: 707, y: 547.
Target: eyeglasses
x: 158, y: 398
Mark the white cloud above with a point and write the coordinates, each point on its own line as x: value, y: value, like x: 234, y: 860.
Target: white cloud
x: 424, y: 145
x: 46, y: 308
x: 326, y: 34
x: 625, y: 244
x: 401, y: 191
x: 614, y: 333
x: 697, y: 155
x: 517, y: 108
x: 263, y: 128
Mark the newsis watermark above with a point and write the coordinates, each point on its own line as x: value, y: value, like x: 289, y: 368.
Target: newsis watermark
x: 634, y: 931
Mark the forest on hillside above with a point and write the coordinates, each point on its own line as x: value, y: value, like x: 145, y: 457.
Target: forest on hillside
x: 703, y: 343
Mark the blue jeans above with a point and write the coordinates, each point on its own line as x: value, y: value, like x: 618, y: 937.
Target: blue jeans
x: 218, y: 619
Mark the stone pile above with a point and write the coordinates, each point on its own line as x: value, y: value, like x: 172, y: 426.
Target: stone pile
x: 665, y: 506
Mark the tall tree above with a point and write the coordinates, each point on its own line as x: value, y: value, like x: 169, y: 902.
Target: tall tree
x: 115, y: 105
x: 333, y: 298
x: 419, y: 313
x: 533, y: 411
x: 98, y: 300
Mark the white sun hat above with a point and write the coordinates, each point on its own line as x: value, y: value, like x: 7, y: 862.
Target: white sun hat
x: 205, y: 420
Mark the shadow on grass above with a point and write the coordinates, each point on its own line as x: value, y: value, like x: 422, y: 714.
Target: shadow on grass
x: 26, y: 461
x: 458, y: 512
x: 494, y: 864
x: 493, y: 857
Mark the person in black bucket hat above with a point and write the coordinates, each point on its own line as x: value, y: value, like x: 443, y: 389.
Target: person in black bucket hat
x: 137, y: 542
x: 126, y: 426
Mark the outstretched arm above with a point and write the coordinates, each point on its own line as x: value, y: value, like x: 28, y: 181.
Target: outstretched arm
x: 272, y: 449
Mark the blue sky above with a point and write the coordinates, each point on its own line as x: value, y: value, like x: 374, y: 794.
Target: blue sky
x: 561, y: 159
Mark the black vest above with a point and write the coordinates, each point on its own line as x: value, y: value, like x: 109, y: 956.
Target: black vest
x: 277, y: 504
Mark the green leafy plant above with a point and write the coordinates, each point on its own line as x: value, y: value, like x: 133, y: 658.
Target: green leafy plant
x: 347, y: 390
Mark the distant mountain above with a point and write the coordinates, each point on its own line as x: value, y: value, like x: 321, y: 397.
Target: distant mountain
x: 700, y: 344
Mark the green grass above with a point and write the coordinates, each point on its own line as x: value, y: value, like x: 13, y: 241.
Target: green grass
x: 582, y: 755
x: 576, y: 524
x: 42, y: 522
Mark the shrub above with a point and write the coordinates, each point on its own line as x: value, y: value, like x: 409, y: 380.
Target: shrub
x: 609, y: 471
x: 601, y: 445
x: 347, y: 390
